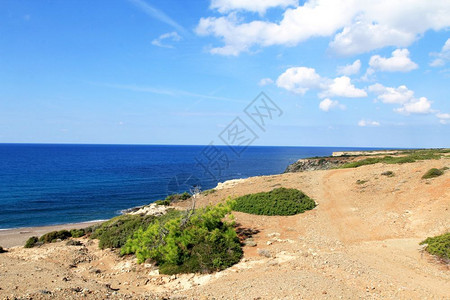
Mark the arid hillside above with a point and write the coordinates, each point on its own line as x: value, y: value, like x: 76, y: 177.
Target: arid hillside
x: 361, y: 241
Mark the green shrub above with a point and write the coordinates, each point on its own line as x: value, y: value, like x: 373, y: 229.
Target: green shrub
x: 412, y: 156
x: 432, y: 173
x: 2, y: 250
x: 388, y: 174
x: 197, y: 241
x: 115, y: 232
x: 162, y: 202
x: 77, y: 233
x: 54, y: 236
x: 439, y: 245
x: 173, y: 198
x: 278, y: 202
x: 361, y: 181
x: 31, y: 242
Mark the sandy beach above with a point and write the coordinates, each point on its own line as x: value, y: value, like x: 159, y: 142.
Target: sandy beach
x: 18, y: 236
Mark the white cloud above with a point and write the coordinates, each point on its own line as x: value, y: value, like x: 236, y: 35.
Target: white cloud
x: 265, y: 81
x: 171, y: 36
x: 328, y: 104
x: 355, y: 26
x: 364, y: 36
x: 398, y: 62
x: 299, y: 80
x: 416, y: 106
x: 365, y: 123
x: 350, y: 69
x: 443, y: 118
x: 259, y: 6
x: 442, y: 57
x: 391, y: 95
x: 342, y: 87
x: 403, y: 96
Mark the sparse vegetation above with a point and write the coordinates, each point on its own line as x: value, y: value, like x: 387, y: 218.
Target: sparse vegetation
x: 208, y: 192
x: 74, y: 243
x: 432, y: 173
x: 410, y: 156
x: 361, y: 181
x: 388, y: 174
x: 198, y: 241
x: 174, y: 198
x: 31, y: 242
x: 439, y: 246
x: 278, y: 202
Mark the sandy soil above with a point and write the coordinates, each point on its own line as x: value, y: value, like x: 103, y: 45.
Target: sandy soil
x: 361, y: 241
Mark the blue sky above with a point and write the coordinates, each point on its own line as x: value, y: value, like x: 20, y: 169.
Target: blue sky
x: 344, y: 73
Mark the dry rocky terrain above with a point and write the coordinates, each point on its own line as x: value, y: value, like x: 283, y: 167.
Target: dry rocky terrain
x: 361, y: 241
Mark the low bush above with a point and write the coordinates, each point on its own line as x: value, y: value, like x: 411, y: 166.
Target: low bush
x: 197, y: 241
x: 54, y: 236
x: 31, y: 242
x: 388, y: 174
x: 77, y: 233
x: 173, y: 198
x: 74, y: 243
x: 439, y: 246
x: 432, y: 173
x: 2, y: 250
x: 278, y: 202
x: 115, y: 232
x: 361, y: 181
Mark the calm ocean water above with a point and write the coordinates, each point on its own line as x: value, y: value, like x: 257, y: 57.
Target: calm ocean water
x: 43, y: 184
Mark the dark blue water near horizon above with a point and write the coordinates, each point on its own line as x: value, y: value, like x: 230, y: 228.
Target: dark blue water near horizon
x: 46, y: 184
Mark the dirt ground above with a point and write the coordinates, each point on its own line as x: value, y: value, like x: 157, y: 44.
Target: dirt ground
x: 361, y: 241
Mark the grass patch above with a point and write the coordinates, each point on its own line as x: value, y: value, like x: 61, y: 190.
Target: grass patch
x: 439, y: 246
x: 432, y: 173
x: 278, y: 202
x: 199, y: 241
x: 361, y: 181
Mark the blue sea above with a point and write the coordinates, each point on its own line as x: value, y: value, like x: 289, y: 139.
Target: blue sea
x: 45, y: 184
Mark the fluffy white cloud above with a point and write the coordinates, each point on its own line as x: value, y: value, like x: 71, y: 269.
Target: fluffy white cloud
x: 328, y: 104
x: 265, y: 81
x: 398, y: 62
x: 171, y: 36
x: 443, y: 118
x: 259, y: 6
x: 357, y: 25
x: 350, y: 69
x: 442, y: 57
x: 342, y: 87
x: 299, y: 80
x: 416, y: 106
x: 365, y: 123
x: 391, y: 95
x: 403, y: 96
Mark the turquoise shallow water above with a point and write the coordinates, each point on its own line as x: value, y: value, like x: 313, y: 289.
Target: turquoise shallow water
x: 42, y: 184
